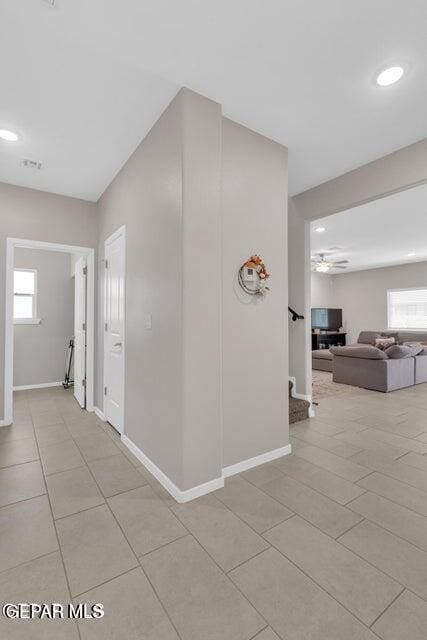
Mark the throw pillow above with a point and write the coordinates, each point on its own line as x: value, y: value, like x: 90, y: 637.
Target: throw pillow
x: 416, y: 347
x: 397, y: 351
x: 383, y: 343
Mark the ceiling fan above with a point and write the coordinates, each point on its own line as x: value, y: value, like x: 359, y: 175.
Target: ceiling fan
x: 321, y: 263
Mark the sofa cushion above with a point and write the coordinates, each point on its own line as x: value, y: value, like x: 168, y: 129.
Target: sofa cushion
x: 412, y: 336
x: 364, y: 351
x: 416, y: 347
x: 368, y: 337
x: 398, y: 351
x: 323, y: 354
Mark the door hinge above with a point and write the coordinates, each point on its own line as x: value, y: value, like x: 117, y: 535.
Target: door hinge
x: 106, y: 326
x: 84, y: 382
x: 105, y: 391
x: 85, y: 271
x: 106, y: 264
x: 84, y: 326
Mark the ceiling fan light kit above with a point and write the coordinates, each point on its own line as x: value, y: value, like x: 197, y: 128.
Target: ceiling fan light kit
x: 322, y: 265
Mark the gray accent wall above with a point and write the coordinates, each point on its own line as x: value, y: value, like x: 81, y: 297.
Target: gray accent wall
x: 40, y: 349
x: 36, y: 215
x: 363, y: 294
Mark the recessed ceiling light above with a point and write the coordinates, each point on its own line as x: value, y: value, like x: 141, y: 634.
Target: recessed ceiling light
x: 411, y: 254
x: 389, y: 76
x: 9, y: 136
x: 320, y: 229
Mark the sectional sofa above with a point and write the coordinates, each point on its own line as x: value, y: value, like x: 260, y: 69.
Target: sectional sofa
x: 364, y: 365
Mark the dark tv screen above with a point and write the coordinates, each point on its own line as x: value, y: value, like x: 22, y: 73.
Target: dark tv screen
x: 327, y: 319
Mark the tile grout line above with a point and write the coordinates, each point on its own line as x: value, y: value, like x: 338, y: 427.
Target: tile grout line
x: 386, y: 609
x: 57, y: 538
x: 136, y: 557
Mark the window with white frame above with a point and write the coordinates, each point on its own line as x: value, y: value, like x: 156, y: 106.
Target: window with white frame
x: 25, y: 296
x: 407, y: 308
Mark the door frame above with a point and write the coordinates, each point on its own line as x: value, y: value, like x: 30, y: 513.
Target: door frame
x: 11, y: 245
x: 121, y: 231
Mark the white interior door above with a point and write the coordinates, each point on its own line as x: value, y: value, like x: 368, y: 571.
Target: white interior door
x: 114, y: 330
x: 80, y: 332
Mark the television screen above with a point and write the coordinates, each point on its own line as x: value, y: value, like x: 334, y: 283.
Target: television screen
x: 326, y: 319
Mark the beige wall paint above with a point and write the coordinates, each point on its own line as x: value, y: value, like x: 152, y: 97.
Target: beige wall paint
x: 363, y: 294
x: 322, y: 293
x: 299, y: 299
x: 171, y: 195
x: 35, y: 215
x: 255, y: 331
x: 395, y: 172
x: 146, y: 196
x: 40, y: 349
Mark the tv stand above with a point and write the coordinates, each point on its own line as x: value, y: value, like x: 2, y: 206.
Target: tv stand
x: 327, y: 339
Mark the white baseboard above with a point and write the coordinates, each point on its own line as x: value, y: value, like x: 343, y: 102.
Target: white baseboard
x: 302, y: 396
x: 44, y: 385
x: 100, y: 414
x: 250, y: 463
x: 178, y: 494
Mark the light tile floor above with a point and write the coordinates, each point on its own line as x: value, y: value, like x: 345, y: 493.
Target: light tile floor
x: 328, y: 543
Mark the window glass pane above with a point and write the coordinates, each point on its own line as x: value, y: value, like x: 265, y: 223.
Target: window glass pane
x: 23, y: 281
x: 408, y: 309
x: 22, y: 306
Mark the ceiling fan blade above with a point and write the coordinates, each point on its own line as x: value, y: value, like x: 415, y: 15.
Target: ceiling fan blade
x: 341, y: 262
x: 338, y: 267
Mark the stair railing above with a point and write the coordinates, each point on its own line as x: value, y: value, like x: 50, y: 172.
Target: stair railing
x: 295, y: 316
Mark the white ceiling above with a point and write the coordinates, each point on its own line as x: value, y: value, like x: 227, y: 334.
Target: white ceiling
x: 378, y: 234
x: 85, y: 80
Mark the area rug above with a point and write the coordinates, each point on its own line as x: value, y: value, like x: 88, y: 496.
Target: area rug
x: 325, y: 387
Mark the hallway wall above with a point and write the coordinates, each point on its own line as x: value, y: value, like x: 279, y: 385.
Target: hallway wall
x: 40, y: 349
x: 36, y: 215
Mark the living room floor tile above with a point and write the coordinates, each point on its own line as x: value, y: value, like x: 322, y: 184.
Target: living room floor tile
x: 200, y: 599
x: 394, y: 556
x: 40, y: 580
x: 406, y: 618
x: 26, y: 532
x: 361, y: 588
x: 292, y: 603
x: 115, y: 475
x: 397, y: 491
x: 61, y: 457
x: 147, y: 522
x: 94, y: 548
x: 72, y: 491
x: 319, y: 479
x: 331, y: 462
x: 329, y: 516
x: 391, y: 516
x: 21, y: 482
x: 255, y: 507
x: 224, y: 536
x: 132, y: 611
x: 351, y: 549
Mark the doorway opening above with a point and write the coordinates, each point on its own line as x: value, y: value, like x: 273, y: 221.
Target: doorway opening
x: 30, y: 270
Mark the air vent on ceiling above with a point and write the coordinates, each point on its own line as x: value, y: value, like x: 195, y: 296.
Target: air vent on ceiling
x: 31, y: 164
